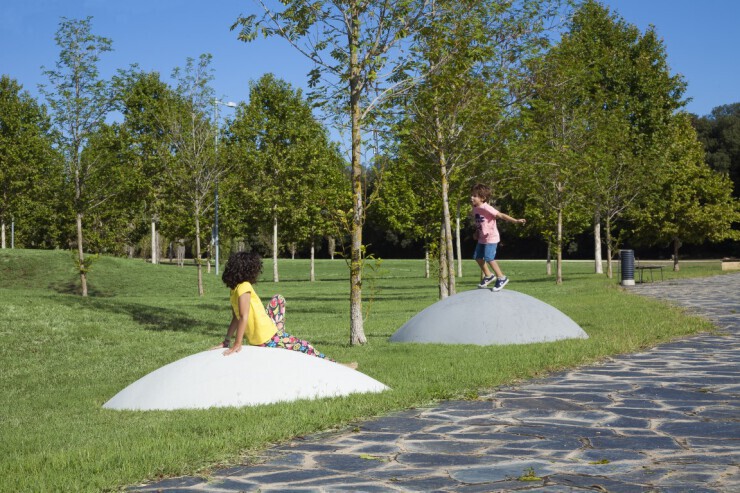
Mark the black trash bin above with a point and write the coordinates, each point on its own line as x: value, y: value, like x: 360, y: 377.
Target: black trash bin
x: 627, y: 258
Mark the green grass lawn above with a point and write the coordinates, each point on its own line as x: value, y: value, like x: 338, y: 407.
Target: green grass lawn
x: 63, y: 356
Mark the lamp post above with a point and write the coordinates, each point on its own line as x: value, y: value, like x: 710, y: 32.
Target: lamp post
x: 230, y: 104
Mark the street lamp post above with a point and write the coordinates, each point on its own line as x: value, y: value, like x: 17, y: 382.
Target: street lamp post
x: 230, y: 104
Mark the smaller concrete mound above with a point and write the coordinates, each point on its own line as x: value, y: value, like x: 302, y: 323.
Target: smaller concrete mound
x: 485, y: 318
x: 254, y: 376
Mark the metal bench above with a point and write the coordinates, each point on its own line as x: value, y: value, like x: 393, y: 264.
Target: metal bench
x: 650, y: 268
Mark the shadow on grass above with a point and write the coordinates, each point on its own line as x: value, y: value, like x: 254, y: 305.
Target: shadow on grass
x: 147, y: 317
x: 74, y: 288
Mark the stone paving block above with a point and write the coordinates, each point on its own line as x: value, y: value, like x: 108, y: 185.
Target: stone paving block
x: 426, y: 485
x: 357, y: 488
x: 465, y: 408
x: 598, y: 483
x: 395, y: 472
x: 439, y: 461
x: 444, y: 447
x: 647, y: 413
x: 724, y: 430
x: 400, y: 424
x: 349, y: 462
x: 358, y: 481
x: 611, y: 455
x: 646, y: 443
x: 301, y: 446
x: 227, y: 485
x: 509, y: 470
x: 380, y: 449
x: 291, y: 476
x: 172, y: 484
x: 684, y: 488
x: 239, y: 471
x: 623, y: 422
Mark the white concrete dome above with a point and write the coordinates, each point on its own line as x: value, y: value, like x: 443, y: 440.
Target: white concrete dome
x: 254, y: 376
x: 485, y: 318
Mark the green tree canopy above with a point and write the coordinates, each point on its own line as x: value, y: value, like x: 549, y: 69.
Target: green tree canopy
x: 618, y: 82
x: 688, y: 200
x: 720, y: 134
x: 144, y: 98
x: 287, y: 171
x: 30, y: 170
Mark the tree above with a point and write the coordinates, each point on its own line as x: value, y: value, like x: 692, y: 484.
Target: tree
x: 30, y: 171
x: 356, y: 46
x: 113, y: 188
x: 620, y: 79
x: 720, y: 134
x: 475, y: 54
x: 405, y: 208
x: 194, y: 171
x: 80, y: 102
x: 550, y: 170
x: 144, y: 96
x: 323, y: 192
x: 688, y: 201
x: 288, y: 171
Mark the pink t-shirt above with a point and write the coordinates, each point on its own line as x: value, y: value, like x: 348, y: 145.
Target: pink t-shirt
x: 485, y: 222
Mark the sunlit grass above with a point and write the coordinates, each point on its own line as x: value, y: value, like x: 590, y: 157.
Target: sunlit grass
x: 64, y: 356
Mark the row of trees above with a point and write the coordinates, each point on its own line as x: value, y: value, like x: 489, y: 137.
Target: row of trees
x: 437, y: 95
x: 160, y: 165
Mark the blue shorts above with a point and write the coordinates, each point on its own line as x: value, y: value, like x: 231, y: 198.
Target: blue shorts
x: 486, y: 251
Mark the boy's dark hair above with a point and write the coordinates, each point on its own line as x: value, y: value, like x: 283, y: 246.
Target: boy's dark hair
x: 242, y: 266
x: 482, y: 191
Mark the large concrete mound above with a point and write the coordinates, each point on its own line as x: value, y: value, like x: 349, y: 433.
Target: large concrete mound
x: 485, y: 318
x: 254, y: 376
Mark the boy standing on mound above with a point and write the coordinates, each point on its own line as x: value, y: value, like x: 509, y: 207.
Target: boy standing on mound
x: 488, y: 236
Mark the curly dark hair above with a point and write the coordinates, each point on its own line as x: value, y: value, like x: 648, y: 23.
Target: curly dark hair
x: 482, y: 191
x: 242, y: 266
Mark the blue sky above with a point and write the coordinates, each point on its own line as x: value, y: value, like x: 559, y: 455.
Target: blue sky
x: 701, y: 38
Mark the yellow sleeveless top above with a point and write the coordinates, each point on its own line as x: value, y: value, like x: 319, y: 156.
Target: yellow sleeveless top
x: 260, y: 327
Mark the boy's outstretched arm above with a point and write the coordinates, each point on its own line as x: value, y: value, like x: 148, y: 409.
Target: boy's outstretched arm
x: 510, y: 219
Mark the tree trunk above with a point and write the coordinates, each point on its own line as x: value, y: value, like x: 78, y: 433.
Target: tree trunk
x: 275, y: 276
x: 676, y: 245
x: 426, y: 262
x: 155, y: 256
x: 313, y: 257
x: 609, y: 267
x: 444, y: 285
x: 2, y: 234
x: 332, y: 246
x: 357, y: 332
x: 446, y: 239
x: 81, y: 255
x: 597, y: 243
x: 559, y: 246
x: 548, y: 263
x: 457, y: 238
x: 197, y: 252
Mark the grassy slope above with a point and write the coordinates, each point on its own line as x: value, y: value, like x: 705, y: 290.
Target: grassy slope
x: 63, y: 356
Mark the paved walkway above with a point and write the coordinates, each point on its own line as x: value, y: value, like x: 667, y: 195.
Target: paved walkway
x: 666, y: 420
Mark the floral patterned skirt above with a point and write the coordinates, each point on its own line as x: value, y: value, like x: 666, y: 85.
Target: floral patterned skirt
x: 281, y: 339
